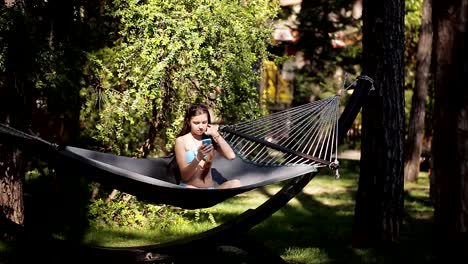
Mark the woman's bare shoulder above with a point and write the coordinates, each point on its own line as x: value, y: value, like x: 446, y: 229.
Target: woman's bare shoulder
x: 181, y: 140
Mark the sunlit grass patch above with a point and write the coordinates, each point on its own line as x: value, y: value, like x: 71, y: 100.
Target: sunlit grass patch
x: 417, y: 201
x: 305, y: 256
x: 125, y: 237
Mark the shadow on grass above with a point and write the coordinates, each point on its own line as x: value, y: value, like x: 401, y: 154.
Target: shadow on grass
x: 326, y: 231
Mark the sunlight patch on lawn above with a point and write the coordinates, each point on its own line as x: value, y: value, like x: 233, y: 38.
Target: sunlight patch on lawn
x: 328, y: 201
x: 305, y: 255
x: 421, y: 186
x: 318, y: 190
x: 127, y: 237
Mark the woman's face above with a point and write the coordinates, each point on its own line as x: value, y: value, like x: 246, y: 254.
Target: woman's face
x: 198, y: 124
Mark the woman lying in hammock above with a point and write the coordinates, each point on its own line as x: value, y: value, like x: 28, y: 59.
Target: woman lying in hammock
x: 195, y: 149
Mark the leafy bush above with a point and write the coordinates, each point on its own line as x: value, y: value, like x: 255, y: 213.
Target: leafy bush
x: 133, y: 214
x: 169, y: 54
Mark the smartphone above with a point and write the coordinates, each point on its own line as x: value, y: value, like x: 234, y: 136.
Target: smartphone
x: 206, y: 141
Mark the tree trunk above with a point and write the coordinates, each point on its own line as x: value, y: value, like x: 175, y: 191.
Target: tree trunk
x: 14, y: 100
x: 15, y: 105
x: 450, y: 147
x: 379, y: 200
x: 11, y: 186
x: 418, y: 105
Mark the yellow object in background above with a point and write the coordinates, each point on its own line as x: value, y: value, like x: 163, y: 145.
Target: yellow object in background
x: 276, y: 90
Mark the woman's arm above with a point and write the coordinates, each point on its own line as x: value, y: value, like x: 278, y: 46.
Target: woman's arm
x: 187, y: 170
x: 223, y: 146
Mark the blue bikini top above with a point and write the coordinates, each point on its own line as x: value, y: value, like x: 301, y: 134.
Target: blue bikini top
x: 190, y: 155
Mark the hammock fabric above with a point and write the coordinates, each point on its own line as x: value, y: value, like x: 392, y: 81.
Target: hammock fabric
x: 153, y: 179
x: 275, y: 148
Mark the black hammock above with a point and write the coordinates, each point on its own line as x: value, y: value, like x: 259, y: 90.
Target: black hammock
x: 274, y: 148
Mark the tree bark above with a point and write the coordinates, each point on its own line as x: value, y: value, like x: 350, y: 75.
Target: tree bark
x: 379, y: 200
x: 414, y: 143
x: 11, y: 186
x: 15, y: 101
x: 450, y: 148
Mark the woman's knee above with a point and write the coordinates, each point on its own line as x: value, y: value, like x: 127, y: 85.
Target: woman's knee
x: 231, y: 184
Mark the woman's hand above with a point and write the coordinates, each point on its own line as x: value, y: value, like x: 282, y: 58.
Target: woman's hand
x: 212, y: 130
x: 203, y: 151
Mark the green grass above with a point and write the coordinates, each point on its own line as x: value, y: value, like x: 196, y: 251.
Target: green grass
x: 314, y: 227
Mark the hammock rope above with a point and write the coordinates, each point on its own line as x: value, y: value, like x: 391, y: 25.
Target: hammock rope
x: 4, y: 129
x: 302, y: 135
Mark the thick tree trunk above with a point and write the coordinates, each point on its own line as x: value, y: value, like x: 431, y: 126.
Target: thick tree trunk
x: 11, y: 186
x: 15, y: 101
x: 414, y: 143
x: 379, y: 201
x: 450, y: 141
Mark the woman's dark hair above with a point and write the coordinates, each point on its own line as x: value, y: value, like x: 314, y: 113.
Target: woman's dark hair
x: 194, y: 110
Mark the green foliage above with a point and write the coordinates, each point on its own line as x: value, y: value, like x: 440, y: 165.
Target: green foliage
x: 170, y: 54
x: 413, y: 15
x: 133, y: 214
x: 320, y: 23
x: 45, y: 53
x: 408, y: 96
